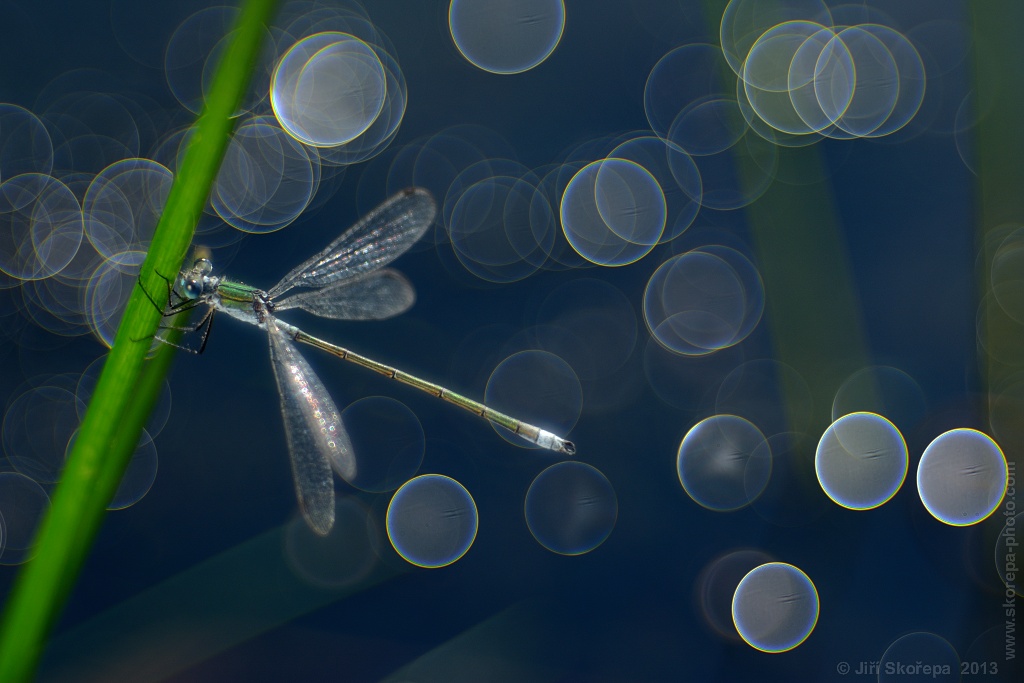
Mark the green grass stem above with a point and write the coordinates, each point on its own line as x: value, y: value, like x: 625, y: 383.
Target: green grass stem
x: 128, y: 386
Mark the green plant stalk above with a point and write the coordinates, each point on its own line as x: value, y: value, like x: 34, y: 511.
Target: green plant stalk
x: 127, y: 387
x: 999, y: 144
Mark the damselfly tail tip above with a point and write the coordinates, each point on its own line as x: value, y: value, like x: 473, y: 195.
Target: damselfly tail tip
x: 546, y: 439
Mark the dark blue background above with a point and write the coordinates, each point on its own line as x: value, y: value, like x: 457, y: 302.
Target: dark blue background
x: 628, y: 611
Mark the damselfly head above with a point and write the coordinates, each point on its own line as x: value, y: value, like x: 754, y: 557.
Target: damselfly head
x: 192, y: 282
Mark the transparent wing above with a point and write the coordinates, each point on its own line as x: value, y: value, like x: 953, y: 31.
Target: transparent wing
x: 374, y: 241
x: 374, y: 296
x: 317, y: 440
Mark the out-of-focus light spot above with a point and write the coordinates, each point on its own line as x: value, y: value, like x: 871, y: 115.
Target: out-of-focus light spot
x: 41, y: 226
x: 708, y: 126
x: 328, y: 89
x: 676, y: 174
x: 703, y: 301
x: 501, y: 230
x: 506, y: 36
x: 684, y: 77
x: 804, y: 78
x: 266, y: 180
x: 537, y: 387
x: 775, y: 607
x: 910, y: 76
x: 123, y: 206
x: 37, y: 428
x: 774, y: 79
x: 613, y: 212
x: 724, y: 463
x: 874, y: 87
x: 384, y: 127
x: 744, y: 21
x: 432, y: 521
x: 388, y: 442
x: 962, y: 477
x: 571, y: 508
x: 25, y: 145
x: 861, y: 461
x: 107, y: 293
